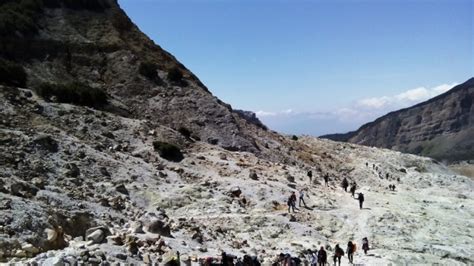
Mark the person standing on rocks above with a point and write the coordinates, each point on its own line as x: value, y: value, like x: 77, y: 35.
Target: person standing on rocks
x: 345, y: 184
x: 310, y: 176
x: 292, y: 202
x: 326, y: 179
x: 361, y: 200
x: 365, y: 245
x: 301, y: 198
x: 322, y: 256
x: 350, y: 251
x: 338, y: 253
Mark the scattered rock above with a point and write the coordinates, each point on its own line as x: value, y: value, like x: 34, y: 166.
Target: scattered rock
x: 55, y: 238
x: 122, y: 189
x: 24, y: 190
x: 290, y: 178
x: 157, y: 226
x: 137, y: 228
x: 96, y: 237
x: 46, y: 143
x: 121, y: 256
x: 253, y: 175
x: 29, y: 248
x: 97, y: 234
x: 235, y: 192
x: 73, y: 170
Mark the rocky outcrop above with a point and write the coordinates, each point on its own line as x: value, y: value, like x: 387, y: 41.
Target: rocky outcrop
x: 95, y: 43
x: 441, y: 128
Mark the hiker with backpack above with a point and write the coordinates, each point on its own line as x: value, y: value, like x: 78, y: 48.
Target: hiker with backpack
x: 338, y: 253
x: 345, y: 184
x: 292, y: 202
x: 365, y: 245
x: 351, y: 248
x: 322, y: 256
x: 361, y: 200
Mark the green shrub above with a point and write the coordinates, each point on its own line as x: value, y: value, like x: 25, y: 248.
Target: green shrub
x: 149, y: 70
x: 175, y: 75
x: 294, y: 137
x: 185, y: 132
x: 168, y: 151
x: 12, y: 74
x: 19, y: 16
x: 75, y: 93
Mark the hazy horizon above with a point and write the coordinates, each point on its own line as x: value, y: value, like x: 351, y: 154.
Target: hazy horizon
x: 316, y: 67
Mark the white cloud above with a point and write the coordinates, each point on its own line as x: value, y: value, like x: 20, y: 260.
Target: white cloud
x: 417, y: 94
x: 349, y: 117
x: 374, y: 102
x: 279, y: 113
x: 404, y: 99
x: 264, y: 113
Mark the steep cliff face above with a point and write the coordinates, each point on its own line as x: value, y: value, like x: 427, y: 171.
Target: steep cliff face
x: 441, y: 128
x: 95, y: 43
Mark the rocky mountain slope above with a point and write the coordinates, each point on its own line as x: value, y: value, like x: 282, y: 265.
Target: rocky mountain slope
x: 95, y: 44
x: 111, y: 151
x: 440, y: 128
x: 80, y: 185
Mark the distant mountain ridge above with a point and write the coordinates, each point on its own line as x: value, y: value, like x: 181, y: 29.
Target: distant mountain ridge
x: 441, y: 127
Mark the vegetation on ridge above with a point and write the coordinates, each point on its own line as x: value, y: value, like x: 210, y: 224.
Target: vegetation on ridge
x: 12, y: 74
x: 168, y: 151
x: 74, y: 93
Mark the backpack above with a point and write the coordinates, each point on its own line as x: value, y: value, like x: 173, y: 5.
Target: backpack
x: 354, y: 248
x: 340, y: 251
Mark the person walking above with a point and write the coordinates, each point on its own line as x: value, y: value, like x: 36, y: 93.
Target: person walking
x: 314, y: 258
x: 365, y: 245
x: 310, y: 176
x: 345, y: 184
x: 353, y: 189
x: 322, y: 256
x: 301, y: 198
x: 361, y: 200
x: 292, y: 202
x: 338, y: 253
x: 350, y: 251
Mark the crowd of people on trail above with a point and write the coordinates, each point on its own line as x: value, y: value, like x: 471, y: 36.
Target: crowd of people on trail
x: 317, y: 257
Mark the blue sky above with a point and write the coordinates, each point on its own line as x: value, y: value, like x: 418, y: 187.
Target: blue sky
x: 315, y: 67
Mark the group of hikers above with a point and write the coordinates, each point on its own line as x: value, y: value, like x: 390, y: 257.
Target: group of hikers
x: 291, y: 202
x: 310, y: 257
x: 320, y: 257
